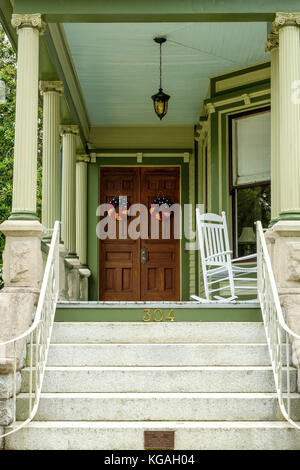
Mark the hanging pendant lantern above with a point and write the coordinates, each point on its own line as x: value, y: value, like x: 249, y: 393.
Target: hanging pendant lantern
x: 160, y: 99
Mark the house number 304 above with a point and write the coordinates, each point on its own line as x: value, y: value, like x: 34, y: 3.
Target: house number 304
x: 157, y: 314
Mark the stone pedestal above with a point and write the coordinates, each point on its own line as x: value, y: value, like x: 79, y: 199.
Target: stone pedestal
x: 72, y: 266
x: 22, y: 257
x: 76, y: 280
x: 286, y: 256
x: 283, y: 242
x: 17, y: 309
x: 62, y: 268
x: 84, y: 274
x: 62, y: 272
x: 22, y: 275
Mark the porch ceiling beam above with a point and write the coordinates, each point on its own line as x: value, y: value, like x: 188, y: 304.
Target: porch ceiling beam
x: 177, y: 154
x: 5, y: 19
x: 47, y: 70
x: 102, y: 11
x: 61, y: 55
x: 252, y: 91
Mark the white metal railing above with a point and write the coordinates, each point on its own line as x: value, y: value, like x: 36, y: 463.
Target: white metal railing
x: 279, y: 336
x: 36, y: 339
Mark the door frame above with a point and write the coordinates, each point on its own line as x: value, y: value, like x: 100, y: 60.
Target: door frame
x: 93, y: 201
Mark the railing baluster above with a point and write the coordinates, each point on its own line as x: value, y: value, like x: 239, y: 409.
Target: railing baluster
x: 30, y: 372
x: 40, y: 330
x: 15, y: 384
x: 288, y: 390
x: 275, y: 326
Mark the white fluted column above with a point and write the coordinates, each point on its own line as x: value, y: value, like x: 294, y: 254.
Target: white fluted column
x: 68, y: 212
x: 29, y: 28
x: 272, y: 46
x: 51, y: 92
x: 284, y: 237
x: 81, y: 209
x: 289, y: 76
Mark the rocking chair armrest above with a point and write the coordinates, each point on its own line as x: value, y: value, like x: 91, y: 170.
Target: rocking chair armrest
x: 220, y: 253
x: 243, y: 258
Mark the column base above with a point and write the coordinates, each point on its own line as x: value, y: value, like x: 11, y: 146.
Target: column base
x: 23, y: 215
x: 287, y: 215
x: 72, y: 256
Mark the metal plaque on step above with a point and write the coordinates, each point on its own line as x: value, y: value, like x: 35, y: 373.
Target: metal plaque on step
x: 159, y: 440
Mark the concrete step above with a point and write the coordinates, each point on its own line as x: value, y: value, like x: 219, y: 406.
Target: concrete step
x: 157, y: 406
x: 87, y: 435
x: 171, y: 332
x: 158, y: 379
x: 158, y: 354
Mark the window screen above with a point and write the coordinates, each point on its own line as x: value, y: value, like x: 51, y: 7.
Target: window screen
x: 251, y: 148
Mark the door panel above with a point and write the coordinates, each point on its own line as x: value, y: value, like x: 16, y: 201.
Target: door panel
x: 119, y: 271
x: 160, y: 276
x: 140, y: 269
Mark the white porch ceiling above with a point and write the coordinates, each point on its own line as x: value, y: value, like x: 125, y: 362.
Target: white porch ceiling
x: 118, y: 66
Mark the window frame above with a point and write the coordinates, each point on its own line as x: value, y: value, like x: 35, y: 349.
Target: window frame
x: 233, y: 188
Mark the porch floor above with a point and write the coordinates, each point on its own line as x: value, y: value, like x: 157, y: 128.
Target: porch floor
x: 156, y: 304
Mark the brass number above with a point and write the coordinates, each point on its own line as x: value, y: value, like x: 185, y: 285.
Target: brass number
x: 161, y: 315
x: 158, y: 315
x: 147, y: 316
x: 171, y: 315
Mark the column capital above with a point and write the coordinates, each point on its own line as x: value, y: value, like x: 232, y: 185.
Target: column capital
x: 84, y: 158
x: 286, y: 19
x: 56, y: 86
x: 93, y: 157
x: 272, y: 42
x: 69, y: 129
x: 210, y: 108
x: 29, y: 20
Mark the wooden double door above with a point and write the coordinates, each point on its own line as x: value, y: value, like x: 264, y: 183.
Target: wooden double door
x: 142, y: 268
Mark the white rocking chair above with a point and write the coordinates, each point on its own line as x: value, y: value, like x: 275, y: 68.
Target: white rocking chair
x: 219, y: 273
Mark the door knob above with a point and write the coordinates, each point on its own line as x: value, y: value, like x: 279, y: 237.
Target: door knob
x: 144, y: 252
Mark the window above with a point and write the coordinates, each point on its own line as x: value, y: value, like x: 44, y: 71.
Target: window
x: 249, y: 176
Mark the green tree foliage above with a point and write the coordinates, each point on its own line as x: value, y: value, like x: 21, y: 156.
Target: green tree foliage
x: 8, y: 74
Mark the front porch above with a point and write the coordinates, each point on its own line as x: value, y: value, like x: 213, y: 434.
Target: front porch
x: 126, y: 332
x: 90, y: 125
